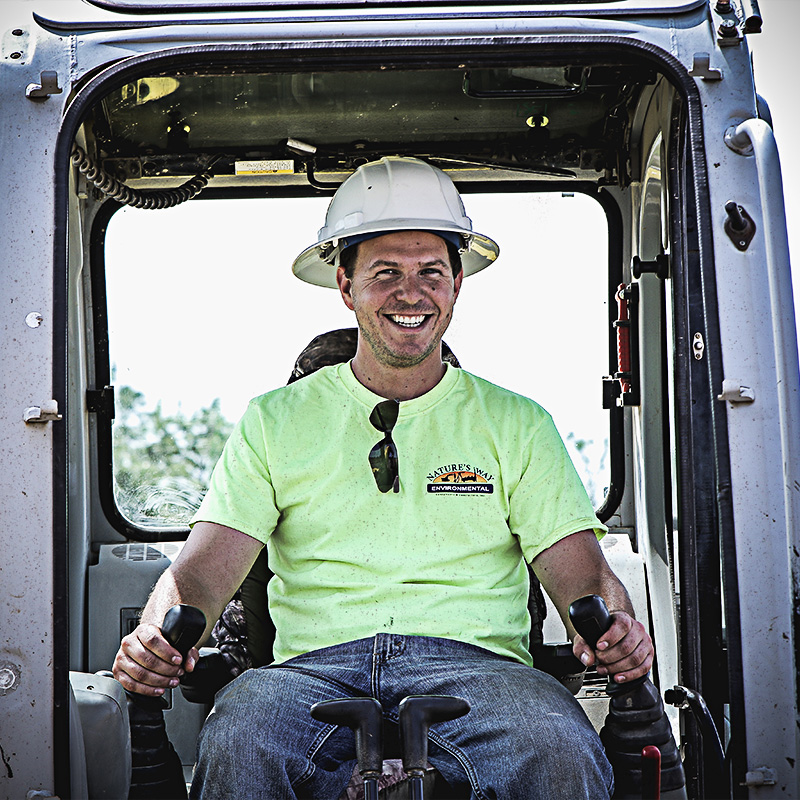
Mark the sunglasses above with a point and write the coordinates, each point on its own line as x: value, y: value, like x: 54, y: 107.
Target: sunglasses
x: 383, y: 456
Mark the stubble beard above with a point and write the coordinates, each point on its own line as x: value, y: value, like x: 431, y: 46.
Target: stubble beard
x: 391, y: 358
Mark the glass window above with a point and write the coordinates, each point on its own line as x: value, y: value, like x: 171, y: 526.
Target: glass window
x: 204, y: 314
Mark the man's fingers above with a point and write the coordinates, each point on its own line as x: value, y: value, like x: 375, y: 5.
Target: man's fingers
x: 153, y: 642
x: 136, y: 679
x: 633, y: 666
x: 624, y: 651
x: 146, y: 663
x: 582, y: 651
x: 620, y: 629
x: 628, y: 652
x: 191, y: 659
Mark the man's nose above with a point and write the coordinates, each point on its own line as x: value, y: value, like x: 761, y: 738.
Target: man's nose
x: 410, y: 289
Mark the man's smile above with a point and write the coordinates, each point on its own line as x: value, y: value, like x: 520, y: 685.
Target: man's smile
x: 408, y: 320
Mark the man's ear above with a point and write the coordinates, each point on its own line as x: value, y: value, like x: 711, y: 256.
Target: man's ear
x: 345, y: 286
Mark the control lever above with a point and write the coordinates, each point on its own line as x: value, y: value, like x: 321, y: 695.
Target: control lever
x: 364, y: 715
x: 417, y: 714
x: 156, y: 769
x: 182, y: 627
x: 590, y: 617
x: 636, y: 720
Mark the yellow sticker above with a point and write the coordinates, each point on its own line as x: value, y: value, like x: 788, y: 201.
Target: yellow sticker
x: 263, y: 167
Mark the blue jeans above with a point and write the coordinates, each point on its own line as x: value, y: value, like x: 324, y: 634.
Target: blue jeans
x: 526, y: 736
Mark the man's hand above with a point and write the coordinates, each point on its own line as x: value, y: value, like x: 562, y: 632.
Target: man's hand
x: 624, y: 651
x: 211, y: 566
x: 148, y: 664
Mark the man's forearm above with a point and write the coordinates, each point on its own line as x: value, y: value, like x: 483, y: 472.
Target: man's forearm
x: 210, y: 568
x: 173, y: 588
x: 575, y: 567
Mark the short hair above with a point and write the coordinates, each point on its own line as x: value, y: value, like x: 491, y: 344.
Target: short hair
x: 347, y: 258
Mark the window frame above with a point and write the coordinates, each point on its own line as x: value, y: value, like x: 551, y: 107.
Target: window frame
x: 100, y: 400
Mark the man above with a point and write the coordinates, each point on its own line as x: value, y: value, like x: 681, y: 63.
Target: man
x: 399, y: 565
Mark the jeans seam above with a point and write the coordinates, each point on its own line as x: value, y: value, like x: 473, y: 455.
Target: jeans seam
x: 462, y: 759
x: 348, y: 691
x: 454, y: 751
x: 312, y: 750
x: 373, y: 678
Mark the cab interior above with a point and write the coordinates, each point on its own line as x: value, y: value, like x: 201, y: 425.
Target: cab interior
x: 599, y: 135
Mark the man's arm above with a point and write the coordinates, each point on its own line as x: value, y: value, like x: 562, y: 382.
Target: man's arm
x: 574, y: 567
x: 210, y: 568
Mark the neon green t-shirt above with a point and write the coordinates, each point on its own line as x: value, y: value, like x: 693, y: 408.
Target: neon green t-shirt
x: 485, y: 482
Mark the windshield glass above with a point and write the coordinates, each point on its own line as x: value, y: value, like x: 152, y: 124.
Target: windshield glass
x: 204, y: 314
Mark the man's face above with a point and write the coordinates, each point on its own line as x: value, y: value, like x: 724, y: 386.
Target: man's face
x: 402, y: 291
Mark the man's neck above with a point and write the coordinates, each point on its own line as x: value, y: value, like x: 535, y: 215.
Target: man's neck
x: 398, y: 383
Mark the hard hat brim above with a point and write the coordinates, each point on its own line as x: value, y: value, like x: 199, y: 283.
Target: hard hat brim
x: 310, y: 267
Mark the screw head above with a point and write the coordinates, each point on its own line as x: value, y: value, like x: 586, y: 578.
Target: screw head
x: 724, y: 7
x: 727, y: 28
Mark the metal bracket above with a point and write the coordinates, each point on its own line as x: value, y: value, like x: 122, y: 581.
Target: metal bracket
x: 738, y: 140
x: 48, y: 85
x: 47, y: 412
x: 698, y: 346
x: 739, y: 225
x: 101, y: 401
x: 701, y: 68
x: 734, y: 392
x: 763, y: 776
x: 658, y: 267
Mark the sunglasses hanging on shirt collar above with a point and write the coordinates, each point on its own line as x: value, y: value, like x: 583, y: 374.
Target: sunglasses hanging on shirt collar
x: 383, y: 456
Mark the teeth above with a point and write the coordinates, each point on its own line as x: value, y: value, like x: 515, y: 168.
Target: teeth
x: 408, y: 322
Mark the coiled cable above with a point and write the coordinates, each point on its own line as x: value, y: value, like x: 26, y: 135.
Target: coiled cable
x: 159, y: 198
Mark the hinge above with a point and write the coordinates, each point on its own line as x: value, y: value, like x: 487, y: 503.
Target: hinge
x: 46, y: 412
x: 701, y: 68
x: 763, y: 776
x: 734, y: 392
x: 48, y: 84
x: 101, y: 401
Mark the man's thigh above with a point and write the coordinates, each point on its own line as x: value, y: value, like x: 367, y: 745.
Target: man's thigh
x: 525, y: 737
x: 261, y: 741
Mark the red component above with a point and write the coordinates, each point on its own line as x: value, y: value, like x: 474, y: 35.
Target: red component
x: 623, y: 340
x: 651, y: 773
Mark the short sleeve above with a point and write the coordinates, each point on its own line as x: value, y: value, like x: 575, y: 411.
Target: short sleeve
x: 550, y: 501
x: 240, y: 494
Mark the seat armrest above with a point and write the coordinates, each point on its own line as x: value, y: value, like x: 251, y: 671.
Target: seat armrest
x: 558, y: 660
x: 210, y: 674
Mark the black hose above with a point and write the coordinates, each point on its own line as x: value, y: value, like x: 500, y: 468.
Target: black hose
x: 155, y: 199
x: 680, y: 696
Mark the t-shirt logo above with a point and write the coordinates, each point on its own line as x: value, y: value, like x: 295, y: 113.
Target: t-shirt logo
x: 460, y: 479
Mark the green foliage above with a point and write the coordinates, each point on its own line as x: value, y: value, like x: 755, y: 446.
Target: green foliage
x: 163, y: 462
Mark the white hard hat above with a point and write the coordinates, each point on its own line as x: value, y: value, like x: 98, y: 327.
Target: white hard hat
x: 393, y: 194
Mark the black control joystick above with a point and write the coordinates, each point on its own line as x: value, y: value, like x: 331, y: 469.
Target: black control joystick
x: 182, y: 627
x: 417, y: 714
x: 636, y: 719
x: 156, y: 769
x: 590, y: 617
x: 364, y: 715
